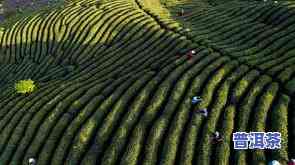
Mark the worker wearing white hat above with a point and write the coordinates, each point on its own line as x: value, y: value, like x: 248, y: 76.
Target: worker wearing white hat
x: 32, y: 161
x: 274, y: 162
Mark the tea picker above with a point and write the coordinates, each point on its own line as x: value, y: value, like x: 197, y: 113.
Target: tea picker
x: 291, y: 162
x: 216, y: 137
x: 190, y: 54
x: 32, y: 161
x: 204, y: 112
x: 274, y: 162
x: 181, y: 13
x: 196, y: 99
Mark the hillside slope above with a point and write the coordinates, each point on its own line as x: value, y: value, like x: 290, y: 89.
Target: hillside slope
x: 112, y: 90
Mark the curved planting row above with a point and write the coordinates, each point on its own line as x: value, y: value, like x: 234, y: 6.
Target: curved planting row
x: 246, y: 34
x: 111, y: 88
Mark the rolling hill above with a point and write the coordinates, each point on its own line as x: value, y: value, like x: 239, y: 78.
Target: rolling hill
x: 112, y: 89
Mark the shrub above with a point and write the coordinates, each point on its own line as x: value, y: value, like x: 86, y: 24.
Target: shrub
x: 223, y: 150
x: 279, y: 123
x: 25, y: 86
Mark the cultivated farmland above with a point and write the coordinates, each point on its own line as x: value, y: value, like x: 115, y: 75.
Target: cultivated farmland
x: 114, y: 86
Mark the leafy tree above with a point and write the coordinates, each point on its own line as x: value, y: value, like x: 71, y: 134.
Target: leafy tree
x: 25, y: 86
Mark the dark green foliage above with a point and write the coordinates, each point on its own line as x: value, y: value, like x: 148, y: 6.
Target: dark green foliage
x: 113, y: 90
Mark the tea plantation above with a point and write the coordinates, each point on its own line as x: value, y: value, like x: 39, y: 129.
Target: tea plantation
x: 114, y: 86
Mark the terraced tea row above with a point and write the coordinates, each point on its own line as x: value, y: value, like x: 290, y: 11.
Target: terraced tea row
x: 111, y: 89
x: 245, y: 32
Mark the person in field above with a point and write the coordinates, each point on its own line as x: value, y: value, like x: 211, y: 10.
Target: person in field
x: 274, y: 162
x: 32, y: 161
x: 216, y: 137
x: 190, y: 54
x: 181, y: 13
x: 196, y: 99
x: 291, y: 162
x: 203, y: 112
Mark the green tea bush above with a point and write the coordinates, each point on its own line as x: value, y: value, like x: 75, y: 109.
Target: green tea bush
x: 279, y: 123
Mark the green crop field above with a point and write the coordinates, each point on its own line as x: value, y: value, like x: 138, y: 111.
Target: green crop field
x: 112, y: 90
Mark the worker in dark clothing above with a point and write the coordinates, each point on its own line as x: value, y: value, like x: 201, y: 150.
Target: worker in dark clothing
x: 32, y: 161
x: 216, y: 137
x: 204, y: 112
x: 190, y: 54
x: 181, y: 13
x: 291, y: 162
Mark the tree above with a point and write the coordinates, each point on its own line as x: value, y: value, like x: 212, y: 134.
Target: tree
x: 25, y: 86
